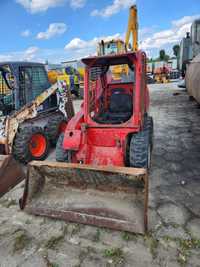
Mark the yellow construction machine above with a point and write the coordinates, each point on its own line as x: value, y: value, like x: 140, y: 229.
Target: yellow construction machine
x: 67, y: 74
x: 118, y: 46
x: 132, y: 29
x: 161, y: 73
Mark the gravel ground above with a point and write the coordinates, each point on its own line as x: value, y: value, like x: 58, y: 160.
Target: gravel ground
x: 174, y: 210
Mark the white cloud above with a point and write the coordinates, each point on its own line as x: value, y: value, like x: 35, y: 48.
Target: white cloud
x: 169, y: 36
x: 145, y: 31
x: 35, y: 6
x: 29, y: 54
x: 77, y: 3
x: 7, y: 57
x: 163, y: 34
x: 84, y: 48
x: 185, y: 20
x: 75, y: 49
x: 158, y: 40
x: 53, y: 30
x: 76, y: 44
x: 114, y: 8
x: 26, y: 33
x: 181, y: 32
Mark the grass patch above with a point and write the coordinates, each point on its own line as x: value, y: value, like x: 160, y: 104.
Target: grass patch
x: 190, y: 244
x: 128, y: 236
x: 97, y: 235
x: 184, y: 248
x: 116, y: 254
x: 22, y: 240
x: 152, y: 243
x: 28, y: 221
x: 182, y: 258
x: 53, y: 242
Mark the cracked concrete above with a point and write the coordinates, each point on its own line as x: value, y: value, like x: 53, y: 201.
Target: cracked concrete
x: 174, y: 210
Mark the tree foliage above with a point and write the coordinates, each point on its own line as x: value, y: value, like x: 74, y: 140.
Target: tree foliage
x: 163, y: 56
x: 176, y: 50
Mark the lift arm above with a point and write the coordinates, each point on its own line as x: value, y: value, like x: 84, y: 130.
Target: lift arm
x: 29, y: 111
x: 132, y: 28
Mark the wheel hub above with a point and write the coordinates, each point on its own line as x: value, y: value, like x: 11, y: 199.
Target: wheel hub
x: 37, y: 145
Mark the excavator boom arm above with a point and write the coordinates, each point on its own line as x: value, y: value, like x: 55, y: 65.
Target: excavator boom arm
x: 132, y: 28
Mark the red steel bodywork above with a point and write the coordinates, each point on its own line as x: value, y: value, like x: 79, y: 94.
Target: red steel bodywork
x: 104, y: 190
x: 105, y: 144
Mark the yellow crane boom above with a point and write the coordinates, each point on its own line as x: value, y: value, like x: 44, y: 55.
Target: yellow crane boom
x: 117, y: 46
x: 132, y: 28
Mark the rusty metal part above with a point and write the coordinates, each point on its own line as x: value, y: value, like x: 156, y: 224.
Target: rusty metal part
x: 113, y: 197
x: 69, y: 107
x: 192, y: 78
x: 11, y: 174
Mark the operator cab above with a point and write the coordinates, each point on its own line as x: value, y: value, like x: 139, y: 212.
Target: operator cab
x: 21, y: 83
x: 111, y: 47
x: 6, y: 92
x: 110, y: 88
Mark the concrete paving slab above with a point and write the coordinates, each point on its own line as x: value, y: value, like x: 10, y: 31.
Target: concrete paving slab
x: 174, y: 206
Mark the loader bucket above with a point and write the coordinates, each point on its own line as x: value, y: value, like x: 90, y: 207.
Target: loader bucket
x: 112, y: 197
x: 11, y: 174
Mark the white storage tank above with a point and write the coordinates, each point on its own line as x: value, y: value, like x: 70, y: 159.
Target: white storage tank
x: 192, y: 78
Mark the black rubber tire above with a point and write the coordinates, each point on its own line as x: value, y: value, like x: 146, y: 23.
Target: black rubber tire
x: 61, y: 154
x: 148, y: 126
x: 52, y: 128
x: 140, y: 150
x: 22, y: 139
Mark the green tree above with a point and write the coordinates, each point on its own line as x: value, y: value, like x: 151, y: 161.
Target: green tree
x: 162, y: 54
x: 176, y: 50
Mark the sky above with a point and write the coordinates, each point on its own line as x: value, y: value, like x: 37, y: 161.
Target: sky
x: 61, y: 30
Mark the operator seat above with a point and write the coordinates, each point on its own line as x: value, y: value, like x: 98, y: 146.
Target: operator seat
x: 120, y: 109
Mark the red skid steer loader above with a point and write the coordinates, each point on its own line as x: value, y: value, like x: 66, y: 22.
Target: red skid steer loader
x: 101, y: 177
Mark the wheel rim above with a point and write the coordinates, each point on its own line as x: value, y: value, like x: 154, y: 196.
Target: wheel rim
x: 37, y: 145
x: 62, y: 127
